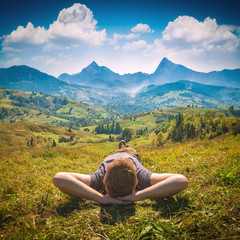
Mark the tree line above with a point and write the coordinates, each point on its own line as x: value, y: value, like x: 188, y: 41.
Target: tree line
x: 197, y: 126
x: 113, y: 128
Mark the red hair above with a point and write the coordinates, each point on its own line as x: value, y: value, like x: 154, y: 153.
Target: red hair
x: 120, y: 178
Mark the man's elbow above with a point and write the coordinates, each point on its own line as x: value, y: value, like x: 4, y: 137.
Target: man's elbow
x: 184, y: 181
x: 58, y: 179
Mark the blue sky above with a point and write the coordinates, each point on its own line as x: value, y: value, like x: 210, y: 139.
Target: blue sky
x: 126, y: 36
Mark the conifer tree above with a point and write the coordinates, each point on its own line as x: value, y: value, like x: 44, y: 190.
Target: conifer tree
x: 54, y: 144
x: 118, y: 129
x: 127, y: 134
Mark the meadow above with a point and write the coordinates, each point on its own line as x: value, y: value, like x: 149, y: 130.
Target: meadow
x: 32, y: 208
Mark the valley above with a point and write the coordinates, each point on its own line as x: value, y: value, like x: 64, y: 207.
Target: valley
x: 171, y: 85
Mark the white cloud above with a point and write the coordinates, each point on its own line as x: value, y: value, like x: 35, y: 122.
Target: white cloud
x: 23, y: 37
x: 188, y: 32
x: 141, y: 28
x: 136, y: 45
x: 203, y: 46
x: 117, y: 37
x: 74, y: 26
x: 77, y: 25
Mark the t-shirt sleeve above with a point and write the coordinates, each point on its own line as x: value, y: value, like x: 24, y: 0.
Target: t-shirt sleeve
x: 97, y: 178
x: 143, y: 176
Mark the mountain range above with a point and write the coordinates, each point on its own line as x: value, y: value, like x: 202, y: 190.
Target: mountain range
x: 167, y: 72
x: 29, y: 79
x: 170, y: 85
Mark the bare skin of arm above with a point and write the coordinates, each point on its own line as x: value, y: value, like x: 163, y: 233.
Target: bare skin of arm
x: 78, y: 185
x: 162, y: 185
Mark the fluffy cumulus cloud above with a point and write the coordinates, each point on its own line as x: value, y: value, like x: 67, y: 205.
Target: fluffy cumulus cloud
x: 187, y: 40
x: 77, y: 25
x: 24, y: 37
x: 141, y: 28
x: 74, y: 26
x: 207, y: 35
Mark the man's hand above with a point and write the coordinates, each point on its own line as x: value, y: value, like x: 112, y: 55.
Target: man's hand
x: 130, y: 198
x: 106, y: 199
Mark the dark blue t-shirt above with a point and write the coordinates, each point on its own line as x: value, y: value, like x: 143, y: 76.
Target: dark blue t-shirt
x: 143, y: 175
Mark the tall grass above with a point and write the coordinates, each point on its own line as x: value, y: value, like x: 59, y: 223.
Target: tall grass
x: 32, y: 208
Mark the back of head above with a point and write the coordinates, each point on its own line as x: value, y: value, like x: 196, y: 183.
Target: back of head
x: 120, y: 178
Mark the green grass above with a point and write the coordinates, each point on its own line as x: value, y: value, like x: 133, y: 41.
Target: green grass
x: 19, y: 133
x: 140, y: 122
x: 32, y: 208
x: 63, y: 113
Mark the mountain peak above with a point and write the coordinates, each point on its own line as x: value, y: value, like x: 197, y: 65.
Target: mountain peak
x: 165, y: 60
x: 91, y: 68
x: 93, y: 64
x: 165, y: 64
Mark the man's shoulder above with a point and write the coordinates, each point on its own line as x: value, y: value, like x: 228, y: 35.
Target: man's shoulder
x: 118, y: 155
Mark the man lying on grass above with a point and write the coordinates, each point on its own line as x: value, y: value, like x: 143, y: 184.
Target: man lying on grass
x: 120, y: 179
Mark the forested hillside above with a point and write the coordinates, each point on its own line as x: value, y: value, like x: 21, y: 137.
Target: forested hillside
x: 16, y: 105
x: 185, y: 127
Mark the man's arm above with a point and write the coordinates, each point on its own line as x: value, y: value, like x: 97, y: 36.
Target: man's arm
x: 162, y: 185
x: 79, y: 185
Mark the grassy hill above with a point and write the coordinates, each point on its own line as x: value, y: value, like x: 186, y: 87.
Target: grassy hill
x: 188, y: 92
x: 16, y: 105
x: 179, y: 98
x: 150, y: 119
x: 197, y: 123
x: 20, y: 134
x: 32, y: 208
x: 19, y: 106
